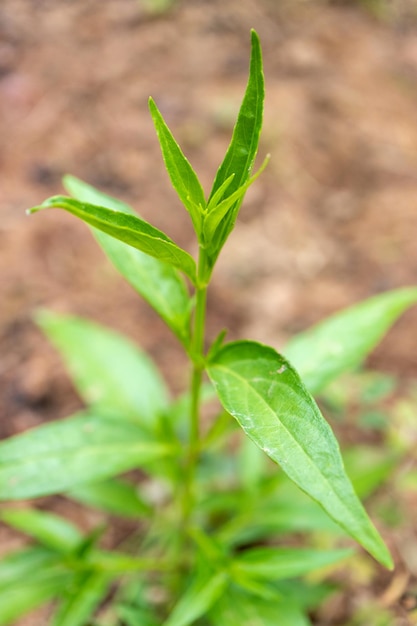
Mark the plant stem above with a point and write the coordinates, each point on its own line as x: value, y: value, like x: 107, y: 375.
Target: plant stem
x: 196, y: 380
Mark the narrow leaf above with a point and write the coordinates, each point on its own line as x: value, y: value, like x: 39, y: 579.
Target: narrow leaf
x: 241, y: 153
x: 158, y: 283
x: 112, y: 496
x: 218, y: 212
x: 28, y: 595
x: 79, y: 606
x: 18, y: 566
x: 278, y: 563
x: 127, y: 228
x: 266, y: 396
x: 183, y: 178
x: 50, y: 530
x: 61, y: 455
x: 342, y: 341
x: 108, y: 370
x: 237, y: 608
x: 203, y: 592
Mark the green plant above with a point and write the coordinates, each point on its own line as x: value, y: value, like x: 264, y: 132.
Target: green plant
x: 212, y: 548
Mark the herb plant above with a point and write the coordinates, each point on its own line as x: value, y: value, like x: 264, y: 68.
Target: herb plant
x: 212, y: 515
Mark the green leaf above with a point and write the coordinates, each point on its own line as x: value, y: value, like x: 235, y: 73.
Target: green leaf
x: 81, y: 449
x: 203, y: 591
x: 342, y: 341
x: 21, y: 590
x: 369, y: 467
x: 158, y: 283
x: 266, y: 396
x: 18, y: 566
x: 284, y: 511
x: 50, y: 530
x: 81, y: 603
x: 241, y: 153
x: 278, y: 563
x: 220, y: 210
x: 237, y: 608
x: 109, y: 371
x: 112, y: 496
x: 19, y: 600
x: 183, y: 178
x: 127, y: 228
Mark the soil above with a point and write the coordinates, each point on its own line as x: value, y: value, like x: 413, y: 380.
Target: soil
x: 331, y: 221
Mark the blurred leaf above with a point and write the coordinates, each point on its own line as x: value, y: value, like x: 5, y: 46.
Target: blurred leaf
x: 127, y: 228
x: 183, y: 178
x: 157, y: 282
x: 342, y: 341
x: 19, y: 600
x: 203, y: 591
x: 20, y: 590
x: 266, y: 396
x: 369, y: 467
x: 275, y: 563
x: 81, y: 602
x: 237, y: 609
x: 80, y: 449
x: 49, y: 529
x: 112, y: 496
x: 287, y: 510
x: 109, y: 371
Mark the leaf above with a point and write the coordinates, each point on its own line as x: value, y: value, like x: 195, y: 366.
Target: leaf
x: 220, y: 210
x: 266, y: 396
x: 50, y: 530
x: 127, y: 228
x: 204, y: 590
x: 342, y: 341
x: 109, y: 371
x: 369, y: 467
x: 19, y: 600
x: 58, y: 456
x: 20, y: 590
x: 278, y: 563
x: 183, y: 178
x: 237, y: 608
x: 157, y: 282
x: 80, y: 604
x: 241, y: 153
x: 284, y: 511
x: 112, y: 496
x: 18, y: 566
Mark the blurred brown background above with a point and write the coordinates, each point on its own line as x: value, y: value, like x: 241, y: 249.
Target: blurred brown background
x: 332, y: 220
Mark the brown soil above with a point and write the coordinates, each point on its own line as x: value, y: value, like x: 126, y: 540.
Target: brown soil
x: 332, y: 220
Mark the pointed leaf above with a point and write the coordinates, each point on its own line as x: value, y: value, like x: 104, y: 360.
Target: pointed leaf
x: 243, y: 147
x: 127, y: 228
x: 50, y: 530
x: 28, y: 595
x: 109, y: 371
x: 203, y: 592
x: 266, y: 396
x: 342, y: 341
x: 80, y: 605
x: 18, y: 566
x: 219, y: 211
x: 277, y: 563
x: 237, y: 608
x: 20, y: 590
x: 183, y: 178
x: 81, y: 449
x: 158, y: 283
